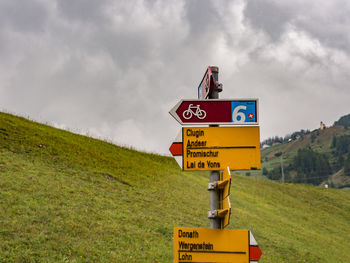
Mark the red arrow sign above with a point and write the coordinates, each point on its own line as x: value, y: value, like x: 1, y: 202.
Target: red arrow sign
x: 229, y: 111
x: 254, y: 253
x: 176, y: 149
x: 254, y: 250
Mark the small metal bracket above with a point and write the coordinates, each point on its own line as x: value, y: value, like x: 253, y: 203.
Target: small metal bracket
x: 218, y: 87
x: 212, y: 214
x: 212, y: 186
x: 222, y: 184
x: 218, y: 213
x: 223, y: 212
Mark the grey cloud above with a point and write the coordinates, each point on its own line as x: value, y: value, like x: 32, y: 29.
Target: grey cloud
x: 23, y: 16
x: 202, y: 17
x: 85, y: 11
x: 115, y: 68
x: 268, y: 17
x: 127, y: 50
x: 332, y: 31
x: 327, y: 21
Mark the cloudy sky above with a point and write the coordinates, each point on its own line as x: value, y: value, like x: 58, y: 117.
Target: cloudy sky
x: 114, y: 68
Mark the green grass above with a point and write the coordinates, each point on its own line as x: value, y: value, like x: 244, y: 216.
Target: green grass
x: 272, y: 149
x: 69, y: 198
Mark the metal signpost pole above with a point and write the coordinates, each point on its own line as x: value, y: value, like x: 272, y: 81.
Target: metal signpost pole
x: 215, y: 222
x: 214, y: 149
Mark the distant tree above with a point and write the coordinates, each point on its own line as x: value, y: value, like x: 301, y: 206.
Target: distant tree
x: 341, y: 148
x: 275, y: 174
x: 300, y: 133
x: 311, y: 167
x: 339, y: 162
x: 313, y: 137
x: 334, y: 142
x: 265, y: 171
x: 343, y: 121
x: 347, y: 166
x: 341, y: 144
x: 293, y: 136
x: 271, y: 140
x: 286, y: 138
x: 278, y: 154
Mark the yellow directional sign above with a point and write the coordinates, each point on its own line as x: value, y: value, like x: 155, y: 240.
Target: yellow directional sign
x: 225, y: 183
x: 211, y: 245
x: 214, y: 148
x: 224, y: 186
x: 225, y: 212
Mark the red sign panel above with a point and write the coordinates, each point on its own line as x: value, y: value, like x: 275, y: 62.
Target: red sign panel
x: 231, y: 112
x: 207, y: 84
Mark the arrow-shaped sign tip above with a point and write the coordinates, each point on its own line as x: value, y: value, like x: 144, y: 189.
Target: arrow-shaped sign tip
x: 254, y: 250
x: 176, y: 148
x: 255, y: 253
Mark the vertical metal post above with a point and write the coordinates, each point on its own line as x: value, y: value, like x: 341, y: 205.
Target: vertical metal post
x: 282, y: 169
x: 214, y: 175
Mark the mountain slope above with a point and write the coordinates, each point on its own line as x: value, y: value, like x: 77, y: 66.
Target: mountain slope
x: 69, y: 198
x: 317, y: 141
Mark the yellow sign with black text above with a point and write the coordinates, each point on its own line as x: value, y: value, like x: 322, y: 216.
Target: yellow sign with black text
x: 210, y: 245
x: 214, y: 148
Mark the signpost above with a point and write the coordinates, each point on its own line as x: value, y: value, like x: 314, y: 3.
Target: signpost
x: 206, y: 112
x: 214, y: 245
x: 215, y: 148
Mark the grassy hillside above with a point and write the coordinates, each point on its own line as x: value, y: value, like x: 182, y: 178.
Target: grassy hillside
x: 70, y: 198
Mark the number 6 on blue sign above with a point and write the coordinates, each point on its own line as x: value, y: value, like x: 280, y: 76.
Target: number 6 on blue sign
x: 243, y: 112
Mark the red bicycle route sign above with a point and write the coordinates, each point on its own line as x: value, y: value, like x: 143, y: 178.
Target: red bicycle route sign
x: 216, y: 111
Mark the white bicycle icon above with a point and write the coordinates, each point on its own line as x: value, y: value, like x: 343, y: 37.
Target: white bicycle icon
x: 194, y: 110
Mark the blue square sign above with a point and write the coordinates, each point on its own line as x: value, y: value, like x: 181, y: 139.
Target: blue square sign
x: 244, y: 112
